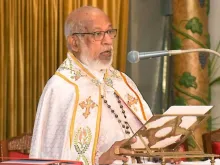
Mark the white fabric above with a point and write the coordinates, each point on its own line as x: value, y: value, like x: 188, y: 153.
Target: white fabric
x: 55, y: 109
x: 110, y: 130
x: 207, y: 162
x: 109, y: 124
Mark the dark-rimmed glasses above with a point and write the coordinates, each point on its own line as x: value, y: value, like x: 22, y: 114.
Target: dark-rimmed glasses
x: 99, y: 35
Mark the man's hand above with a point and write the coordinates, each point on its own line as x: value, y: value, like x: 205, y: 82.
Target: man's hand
x: 109, y: 156
x: 177, y: 161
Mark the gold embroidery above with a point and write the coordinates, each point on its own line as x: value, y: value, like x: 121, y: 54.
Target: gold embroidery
x: 75, y: 106
x: 108, y: 81
x: 82, y: 142
x: 141, y: 105
x: 96, y: 82
x: 115, y: 74
x: 77, y: 75
x: 81, y: 66
x: 98, y: 120
x: 132, y: 100
x: 88, y: 104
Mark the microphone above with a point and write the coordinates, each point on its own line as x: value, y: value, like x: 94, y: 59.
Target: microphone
x: 135, y: 56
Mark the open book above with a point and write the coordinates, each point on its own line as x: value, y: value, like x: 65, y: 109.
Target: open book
x: 170, y: 129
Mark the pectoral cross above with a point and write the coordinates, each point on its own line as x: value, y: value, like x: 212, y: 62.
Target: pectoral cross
x: 131, y: 100
x: 88, y: 104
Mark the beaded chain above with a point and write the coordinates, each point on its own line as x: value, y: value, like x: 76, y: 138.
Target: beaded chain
x: 124, y: 124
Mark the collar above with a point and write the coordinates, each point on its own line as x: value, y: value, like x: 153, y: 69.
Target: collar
x: 99, y: 75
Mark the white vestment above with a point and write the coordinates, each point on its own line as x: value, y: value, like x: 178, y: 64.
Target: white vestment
x: 63, y: 129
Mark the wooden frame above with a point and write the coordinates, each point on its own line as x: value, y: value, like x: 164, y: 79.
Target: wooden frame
x: 170, y: 151
x: 21, y: 144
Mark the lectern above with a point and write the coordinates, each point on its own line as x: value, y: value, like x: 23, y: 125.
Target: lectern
x: 162, y: 135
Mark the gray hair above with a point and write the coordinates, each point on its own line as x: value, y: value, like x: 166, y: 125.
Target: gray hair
x: 75, y: 24
x: 78, y: 20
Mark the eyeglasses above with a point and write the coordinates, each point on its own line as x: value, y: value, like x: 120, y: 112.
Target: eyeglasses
x: 99, y: 35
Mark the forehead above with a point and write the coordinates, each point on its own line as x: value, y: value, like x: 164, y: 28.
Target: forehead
x: 98, y: 21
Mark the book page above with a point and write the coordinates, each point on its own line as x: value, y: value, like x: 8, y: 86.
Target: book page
x: 163, y: 131
x: 188, y: 110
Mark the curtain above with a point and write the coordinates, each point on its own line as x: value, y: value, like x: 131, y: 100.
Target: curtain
x: 32, y: 46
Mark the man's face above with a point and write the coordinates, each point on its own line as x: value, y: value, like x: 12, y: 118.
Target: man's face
x: 97, y: 54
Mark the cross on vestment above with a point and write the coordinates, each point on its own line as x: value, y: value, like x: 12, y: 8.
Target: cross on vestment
x: 132, y: 100
x: 88, y: 104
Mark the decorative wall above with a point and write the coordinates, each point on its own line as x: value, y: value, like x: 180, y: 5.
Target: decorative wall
x: 191, y: 71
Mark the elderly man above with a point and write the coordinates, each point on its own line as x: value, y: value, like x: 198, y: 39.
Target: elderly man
x: 88, y: 109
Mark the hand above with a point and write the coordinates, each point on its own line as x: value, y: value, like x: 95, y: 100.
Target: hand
x: 177, y: 161
x: 109, y: 156
x: 170, y: 160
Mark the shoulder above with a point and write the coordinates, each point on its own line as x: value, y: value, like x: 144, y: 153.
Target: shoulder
x: 122, y: 74
x: 129, y: 80
x: 56, y: 84
x: 126, y: 76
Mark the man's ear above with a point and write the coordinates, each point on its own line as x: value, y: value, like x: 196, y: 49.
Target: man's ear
x: 73, y: 43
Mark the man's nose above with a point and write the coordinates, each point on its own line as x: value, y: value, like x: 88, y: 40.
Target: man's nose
x: 107, y: 39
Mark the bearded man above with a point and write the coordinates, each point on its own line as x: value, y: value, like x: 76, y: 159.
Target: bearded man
x: 88, y: 109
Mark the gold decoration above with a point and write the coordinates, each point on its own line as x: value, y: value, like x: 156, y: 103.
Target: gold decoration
x: 117, y: 150
x: 88, y: 104
x: 132, y: 100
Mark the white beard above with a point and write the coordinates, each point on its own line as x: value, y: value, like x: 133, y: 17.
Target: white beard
x: 98, y: 65
x: 95, y: 64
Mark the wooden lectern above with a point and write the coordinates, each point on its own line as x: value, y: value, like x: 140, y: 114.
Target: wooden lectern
x: 162, y: 135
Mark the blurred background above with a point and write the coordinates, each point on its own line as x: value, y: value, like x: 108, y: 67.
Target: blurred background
x: 33, y: 46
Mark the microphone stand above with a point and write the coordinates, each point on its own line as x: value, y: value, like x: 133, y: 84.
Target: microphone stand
x: 176, y: 52
x: 135, y: 56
